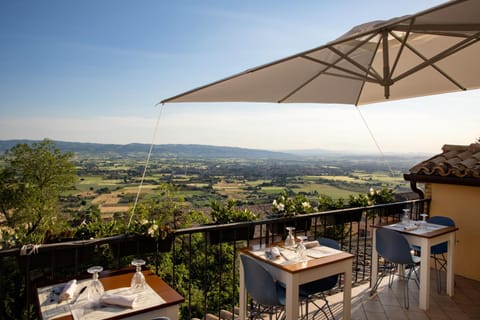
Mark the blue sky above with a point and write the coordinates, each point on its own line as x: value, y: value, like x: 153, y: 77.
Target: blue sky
x: 92, y: 71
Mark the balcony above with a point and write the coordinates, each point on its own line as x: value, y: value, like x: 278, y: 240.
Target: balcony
x: 202, y: 263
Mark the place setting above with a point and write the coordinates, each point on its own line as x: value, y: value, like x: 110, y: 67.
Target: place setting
x: 87, y: 298
x: 415, y: 226
x: 295, y: 249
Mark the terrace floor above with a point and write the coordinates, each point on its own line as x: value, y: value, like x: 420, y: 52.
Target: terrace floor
x: 388, y: 303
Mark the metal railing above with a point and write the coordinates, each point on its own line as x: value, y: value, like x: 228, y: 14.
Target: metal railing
x: 201, y: 263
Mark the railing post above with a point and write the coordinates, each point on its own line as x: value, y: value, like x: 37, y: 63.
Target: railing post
x: 2, y: 291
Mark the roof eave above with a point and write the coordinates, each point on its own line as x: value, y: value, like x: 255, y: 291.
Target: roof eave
x: 463, y: 181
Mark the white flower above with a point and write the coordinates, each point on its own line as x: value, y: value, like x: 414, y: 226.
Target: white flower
x: 153, y: 228
x: 278, y: 206
x: 306, y: 204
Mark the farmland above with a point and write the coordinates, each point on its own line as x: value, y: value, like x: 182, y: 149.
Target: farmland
x: 112, y: 183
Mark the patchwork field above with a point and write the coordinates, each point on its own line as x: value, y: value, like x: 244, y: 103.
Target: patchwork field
x: 197, y: 183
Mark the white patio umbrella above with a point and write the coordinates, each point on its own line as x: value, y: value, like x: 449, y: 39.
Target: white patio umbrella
x: 434, y: 51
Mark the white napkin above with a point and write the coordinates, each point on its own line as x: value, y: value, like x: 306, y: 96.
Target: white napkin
x: 68, y: 290
x: 272, y: 253
x: 119, y: 300
x: 311, y: 244
x: 411, y: 227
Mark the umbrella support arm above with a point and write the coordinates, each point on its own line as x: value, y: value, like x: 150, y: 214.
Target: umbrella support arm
x: 386, y: 65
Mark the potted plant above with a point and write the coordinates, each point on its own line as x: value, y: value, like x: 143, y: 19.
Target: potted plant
x: 148, y: 231
x: 285, y: 205
x: 225, y: 213
x: 59, y: 247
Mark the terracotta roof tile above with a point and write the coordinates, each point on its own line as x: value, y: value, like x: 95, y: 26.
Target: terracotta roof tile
x: 454, y: 161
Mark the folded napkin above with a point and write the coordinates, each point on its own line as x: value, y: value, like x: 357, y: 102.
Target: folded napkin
x: 311, y: 244
x: 119, y: 300
x: 272, y: 253
x: 69, y: 290
x: 409, y: 228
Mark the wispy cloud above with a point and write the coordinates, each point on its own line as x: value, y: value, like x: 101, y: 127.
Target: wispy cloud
x: 122, y: 51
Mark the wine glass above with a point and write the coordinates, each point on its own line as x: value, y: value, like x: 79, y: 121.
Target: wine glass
x: 95, y: 288
x: 301, y: 250
x: 138, y: 279
x: 290, y: 240
x: 406, y: 217
x: 423, y: 224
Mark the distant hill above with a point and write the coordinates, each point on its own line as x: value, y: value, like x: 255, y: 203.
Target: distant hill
x: 192, y: 151
x: 164, y: 150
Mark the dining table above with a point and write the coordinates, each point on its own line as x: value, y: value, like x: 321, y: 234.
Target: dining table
x: 423, y: 235
x: 155, y: 300
x: 321, y: 262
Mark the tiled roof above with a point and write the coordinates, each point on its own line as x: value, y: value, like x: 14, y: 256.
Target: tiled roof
x: 455, y: 161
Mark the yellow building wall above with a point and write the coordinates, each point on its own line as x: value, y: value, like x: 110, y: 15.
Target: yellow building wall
x: 462, y: 204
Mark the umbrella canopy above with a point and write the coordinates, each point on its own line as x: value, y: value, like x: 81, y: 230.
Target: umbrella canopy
x: 434, y: 51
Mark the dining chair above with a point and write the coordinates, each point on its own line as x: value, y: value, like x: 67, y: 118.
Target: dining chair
x: 437, y: 252
x: 315, y: 290
x: 395, y: 250
x: 267, y: 293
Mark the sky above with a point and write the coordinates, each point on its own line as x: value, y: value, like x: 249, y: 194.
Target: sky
x: 93, y: 71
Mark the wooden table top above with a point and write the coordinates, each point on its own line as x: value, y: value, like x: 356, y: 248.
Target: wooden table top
x: 122, y: 278
x: 418, y: 232
x: 299, y: 266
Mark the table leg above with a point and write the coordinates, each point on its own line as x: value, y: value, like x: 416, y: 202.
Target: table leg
x: 291, y: 307
x: 347, y: 291
x: 424, y: 294
x: 374, y: 276
x: 243, y: 295
x: 450, y: 266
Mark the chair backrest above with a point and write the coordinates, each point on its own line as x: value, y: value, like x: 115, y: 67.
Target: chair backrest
x: 444, y: 221
x: 393, y: 246
x: 329, y: 282
x: 259, y: 282
x: 441, y: 220
x: 331, y: 243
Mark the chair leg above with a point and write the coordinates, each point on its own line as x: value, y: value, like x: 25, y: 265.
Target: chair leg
x: 417, y: 277
x: 322, y: 297
x: 306, y: 309
x: 406, y: 297
x: 391, y: 275
x: 377, y: 283
x: 387, y: 269
x: 437, y: 277
x: 329, y: 309
x: 440, y: 264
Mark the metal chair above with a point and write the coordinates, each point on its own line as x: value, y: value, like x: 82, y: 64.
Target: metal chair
x: 315, y: 290
x: 438, y: 251
x: 267, y: 293
x: 395, y: 250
